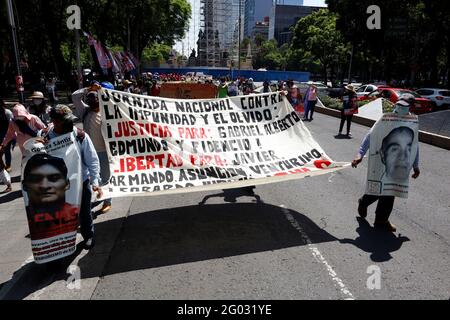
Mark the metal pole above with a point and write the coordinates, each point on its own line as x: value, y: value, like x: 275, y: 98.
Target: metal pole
x: 79, y: 74
x: 14, y: 38
x: 239, y: 40
x: 350, y: 66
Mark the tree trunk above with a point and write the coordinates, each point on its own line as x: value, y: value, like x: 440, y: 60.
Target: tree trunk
x: 53, y: 33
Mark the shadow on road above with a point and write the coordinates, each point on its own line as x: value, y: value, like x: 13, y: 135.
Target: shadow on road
x: 342, y: 136
x: 379, y: 243
x: 180, y: 235
x: 231, y: 195
x: 11, y: 196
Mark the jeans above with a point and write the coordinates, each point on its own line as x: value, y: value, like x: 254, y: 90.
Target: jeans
x: 86, y: 222
x: 384, y: 206
x: 310, y: 106
x: 105, y: 173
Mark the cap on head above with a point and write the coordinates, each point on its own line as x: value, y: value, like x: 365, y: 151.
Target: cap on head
x: 107, y: 85
x: 41, y: 159
x: 61, y: 112
x: 408, y: 98
x: 350, y: 87
x: 37, y: 95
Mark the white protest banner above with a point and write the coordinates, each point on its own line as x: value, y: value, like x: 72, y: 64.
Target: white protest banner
x: 51, y: 187
x: 393, y: 149
x: 161, y: 145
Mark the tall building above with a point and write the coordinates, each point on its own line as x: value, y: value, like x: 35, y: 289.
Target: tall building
x: 255, y: 11
x: 219, y: 31
x: 289, y: 2
x: 283, y: 17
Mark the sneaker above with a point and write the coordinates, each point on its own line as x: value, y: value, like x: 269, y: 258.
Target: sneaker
x: 385, y: 225
x: 8, y: 189
x: 89, y: 243
x: 349, y: 135
x: 106, y: 207
x: 362, y: 211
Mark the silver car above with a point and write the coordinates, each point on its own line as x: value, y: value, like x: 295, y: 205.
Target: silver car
x: 439, y: 97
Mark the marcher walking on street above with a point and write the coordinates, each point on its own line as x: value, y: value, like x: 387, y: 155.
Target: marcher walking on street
x: 349, y: 107
x: 394, y: 154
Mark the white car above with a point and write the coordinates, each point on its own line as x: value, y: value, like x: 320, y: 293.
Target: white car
x: 365, y: 90
x: 439, y: 97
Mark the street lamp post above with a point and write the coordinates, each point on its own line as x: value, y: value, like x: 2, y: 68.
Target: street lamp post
x: 239, y: 39
x: 19, y: 80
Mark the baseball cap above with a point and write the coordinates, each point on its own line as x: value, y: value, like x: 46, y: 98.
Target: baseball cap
x: 408, y: 98
x: 61, y: 112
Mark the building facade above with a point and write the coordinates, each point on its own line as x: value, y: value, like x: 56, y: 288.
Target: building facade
x: 255, y: 11
x: 283, y: 17
x: 219, y: 24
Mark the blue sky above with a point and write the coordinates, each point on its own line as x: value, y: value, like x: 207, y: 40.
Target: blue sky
x: 190, y: 40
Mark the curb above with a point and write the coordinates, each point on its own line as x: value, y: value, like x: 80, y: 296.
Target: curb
x: 425, y: 137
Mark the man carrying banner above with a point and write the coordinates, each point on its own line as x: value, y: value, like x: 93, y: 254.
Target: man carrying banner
x: 90, y: 114
x: 62, y: 119
x: 394, y: 151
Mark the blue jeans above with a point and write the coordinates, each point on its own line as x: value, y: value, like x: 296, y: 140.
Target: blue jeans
x: 105, y: 173
x: 86, y: 222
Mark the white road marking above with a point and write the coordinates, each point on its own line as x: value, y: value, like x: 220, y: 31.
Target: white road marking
x: 318, y: 256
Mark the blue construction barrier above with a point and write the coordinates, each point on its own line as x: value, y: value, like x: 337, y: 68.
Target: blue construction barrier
x: 258, y: 76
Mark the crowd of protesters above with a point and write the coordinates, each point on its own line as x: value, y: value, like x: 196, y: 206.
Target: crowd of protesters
x: 42, y: 117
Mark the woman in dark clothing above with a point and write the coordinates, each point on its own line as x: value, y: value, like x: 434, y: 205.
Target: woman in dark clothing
x: 5, y: 117
x: 349, y: 107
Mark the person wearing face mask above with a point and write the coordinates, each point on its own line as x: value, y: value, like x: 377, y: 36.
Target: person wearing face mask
x: 396, y: 149
x: 39, y: 108
x: 87, y: 109
x: 23, y: 127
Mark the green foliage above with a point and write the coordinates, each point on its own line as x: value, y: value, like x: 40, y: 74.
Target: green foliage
x: 413, y: 43
x: 329, y: 102
x: 156, y: 52
x: 49, y: 45
x: 317, y: 45
x: 269, y: 56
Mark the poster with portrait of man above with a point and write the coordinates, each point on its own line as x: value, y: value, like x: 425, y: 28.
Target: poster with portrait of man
x: 393, y: 149
x: 51, y: 186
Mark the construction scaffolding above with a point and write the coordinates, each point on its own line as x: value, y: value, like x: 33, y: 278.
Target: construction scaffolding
x: 216, y: 34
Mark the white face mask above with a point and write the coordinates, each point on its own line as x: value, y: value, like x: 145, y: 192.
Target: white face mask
x: 402, y: 111
x: 37, y: 102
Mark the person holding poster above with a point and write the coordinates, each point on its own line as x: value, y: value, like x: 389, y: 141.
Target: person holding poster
x: 62, y: 119
x: 295, y: 98
x: 394, y: 151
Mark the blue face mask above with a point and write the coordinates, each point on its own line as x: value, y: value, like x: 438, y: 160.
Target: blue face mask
x: 401, y: 110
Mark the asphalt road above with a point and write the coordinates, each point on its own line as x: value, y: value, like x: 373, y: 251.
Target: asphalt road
x: 303, y: 240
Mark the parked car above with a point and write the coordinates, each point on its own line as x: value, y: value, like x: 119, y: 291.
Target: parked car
x: 439, y: 97
x: 422, y: 105
x: 366, y: 89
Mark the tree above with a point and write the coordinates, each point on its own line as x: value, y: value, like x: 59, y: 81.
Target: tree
x: 412, y: 44
x: 156, y: 53
x: 268, y: 56
x: 317, y: 45
x: 45, y: 39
